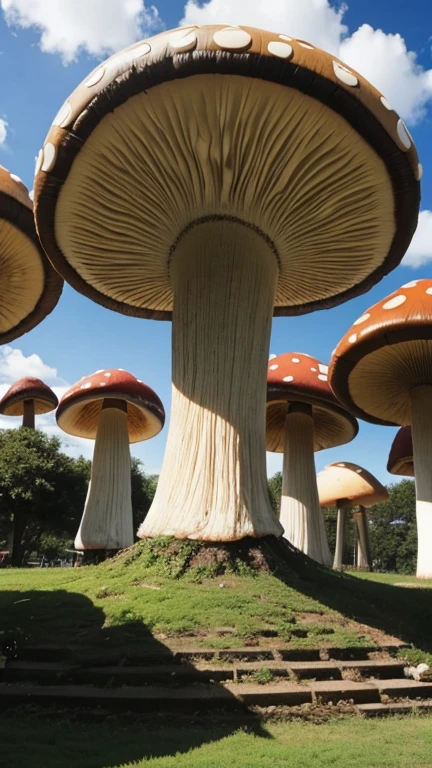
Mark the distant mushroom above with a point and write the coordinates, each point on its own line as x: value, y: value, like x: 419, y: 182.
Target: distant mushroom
x: 346, y: 485
x: 303, y: 416
x: 29, y: 287
x: 116, y: 409
x: 382, y: 371
x: 401, y: 461
x: 215, y: 175
x: 28, y: 397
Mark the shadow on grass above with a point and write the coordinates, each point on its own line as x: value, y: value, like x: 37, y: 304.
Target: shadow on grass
x: 26, y: 624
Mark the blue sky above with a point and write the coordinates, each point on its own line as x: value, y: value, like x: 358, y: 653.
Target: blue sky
x: 48, y: 46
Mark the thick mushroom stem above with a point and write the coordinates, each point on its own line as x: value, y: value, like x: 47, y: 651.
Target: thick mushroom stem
x: 363, y: 545
x: 213, y: 484
x: 340, y: 536
x: 421, y: 428
x: 300, y: 512
x: 29, y: 414
x: 107, y: 519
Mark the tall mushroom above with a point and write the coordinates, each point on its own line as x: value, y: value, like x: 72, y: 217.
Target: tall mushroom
x: 346, y: 485
x: 303, y: 416
x: 114, y: 408
x: 28, y: 397
x: 215, y: 175
x: 400, y: 460
x: 382, y: 371
x: 29, y: 287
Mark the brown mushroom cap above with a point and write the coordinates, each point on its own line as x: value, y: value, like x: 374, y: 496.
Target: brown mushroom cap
x: 12, y: 403
x: 29, y: 287
x: 217, y: 122
x: 400, y: 461
x: 349, y: 483
x: 298, y: 378
x: 80, y: 407
x: 386, y: 353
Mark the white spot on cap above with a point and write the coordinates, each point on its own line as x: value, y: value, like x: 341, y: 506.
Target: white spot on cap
x: 396, y: 301
x: 288, y: 378
x: 386, y: 104
x: 403, y: 133
x: 39, y: 161
x: 272, y: 357
x: 340, y: 465
x: 322, y: 377
x: 95, y: 77
x: 314, y: 370
x: 429, y: 291
x: 305, y: 45
x: 359, y: 471
x: 102, y: 383
x: 344, y: 75
x: 139, y: 381
x: 183, y: 41
x: 101, y: 370
x: 411, y: 284
x: 419, y: 172
x: 14, y: 177
x: 362, y: 319
x: 273, y: 367
x: 107, y: 374
x: 86, y: 386
x: 295, y: 360
x: 323, y: 368
x: 120, y: 369
x: 284, y: 37
x: 282, y: 50
x: 49, y: 158
x: 232, y: 38
x: 353, y: 338
x: 63, y: 115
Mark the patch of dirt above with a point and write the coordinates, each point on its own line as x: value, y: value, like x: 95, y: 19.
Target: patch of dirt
x: 225, y: 556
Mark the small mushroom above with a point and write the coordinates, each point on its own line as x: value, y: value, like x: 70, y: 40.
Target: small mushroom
x: 401, y: 461
x: 28, y: 397
x: 115, y: 409
x: 215, y: 176
x: 346, y: 485
x: 303, y: 416
x: 29, y: 287
x: 382, y: 371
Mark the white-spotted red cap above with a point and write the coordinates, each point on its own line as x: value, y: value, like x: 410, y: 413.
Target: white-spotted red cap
x: 350, y: 485
x: 295, y: 377
x: 80, y: 407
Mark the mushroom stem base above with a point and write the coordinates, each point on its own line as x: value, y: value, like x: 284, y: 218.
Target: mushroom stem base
x: 213, y: 483
x: 300, y: 512
x: 421, y: 427
x: 107, y: 519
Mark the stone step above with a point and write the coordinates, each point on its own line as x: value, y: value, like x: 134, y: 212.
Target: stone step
x: 394, y: 708
x: 344, y: 690
x: 398, y: 689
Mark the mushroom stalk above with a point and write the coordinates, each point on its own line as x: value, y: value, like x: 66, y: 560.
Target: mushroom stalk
x: 213, y: 483
x: 340, y: 537
x: 363, y: 544
x: 107, y: 519
x: 421, y: 428
x: 300, y: 512
x: 29, y: 414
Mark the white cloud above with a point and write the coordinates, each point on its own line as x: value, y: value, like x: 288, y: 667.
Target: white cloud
x: 3, y: 132
x: 420, y: 250
x: 380, y: 57
x: 14, y: 365
x: 68, y: 27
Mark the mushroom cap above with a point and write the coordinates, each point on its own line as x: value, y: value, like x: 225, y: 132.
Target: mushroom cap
x: 80, y: 407
x: 299, y: 378
x: 29, y: 287
x: 207, y: 123
x: 349, y: 483
x: 385, y: 354
x: 12, y: 403
x: 400, y: 460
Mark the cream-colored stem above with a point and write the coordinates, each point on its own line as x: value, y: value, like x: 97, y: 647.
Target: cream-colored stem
x: 340, y: 537
x: 421, y: 427
x: 363, y: 545
x: 107, y: 519
x: 213, y: 483
x: 29, y: 414
x: 300, y: 513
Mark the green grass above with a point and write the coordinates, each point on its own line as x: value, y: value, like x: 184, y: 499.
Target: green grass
x: 393, y: 743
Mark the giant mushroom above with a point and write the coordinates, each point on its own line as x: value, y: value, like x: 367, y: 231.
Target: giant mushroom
x: 214, y: 176
x: 400, y: 460
x: 303, y: 416
x: 346, y: 485
x: 29, y: 286
x: 382, y: 371
x: 28, y: 397
x: 113, y: 408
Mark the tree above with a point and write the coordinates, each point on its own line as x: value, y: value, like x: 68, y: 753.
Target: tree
x: 275, y: 491
x: 393, y: 530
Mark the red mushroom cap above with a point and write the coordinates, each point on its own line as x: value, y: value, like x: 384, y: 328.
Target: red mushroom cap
x: 400, y: 461
x: 385, y: 354
x: 299, y: 378
x: 12, y: 403
x: 349, y: 483
x: 80, y: 407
